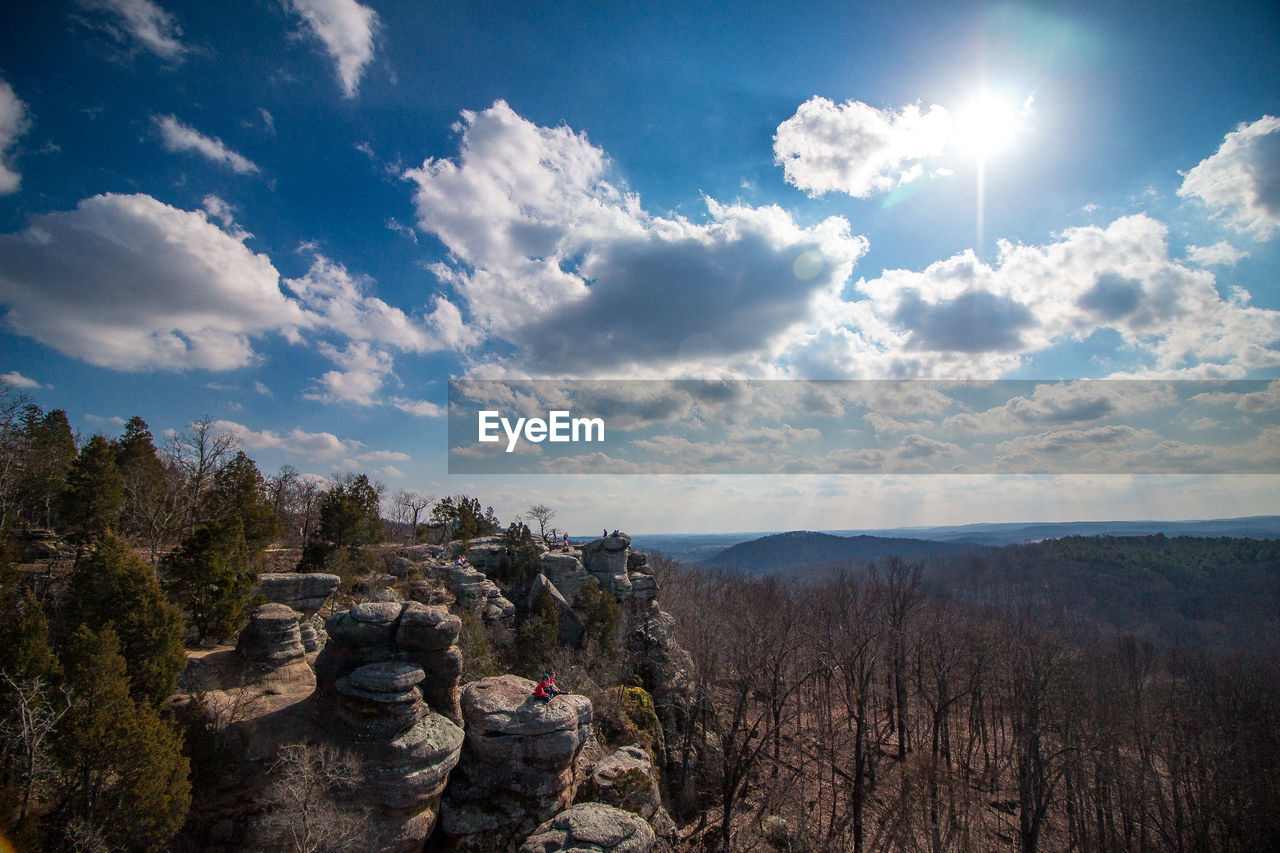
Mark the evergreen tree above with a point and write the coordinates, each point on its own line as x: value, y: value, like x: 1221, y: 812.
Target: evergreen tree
x: 213, y: 577
x: 152, y: 509
x: 125, y: 775
x: 240, y: 493
x: 462, y: 518
x: 94, y: 493
x: 112, y: 585
x: 349, y: 513
x: 536, y: 635
x: 50, y: 451
x: 600, y: 614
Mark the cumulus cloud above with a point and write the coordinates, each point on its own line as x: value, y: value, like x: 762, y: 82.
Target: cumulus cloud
x: 177, y: 136
x: 362, y: 372
x: 1220, y: 254
x: 14, y: 122
x: 965, y: 318
x: 140, y: 22
x: 313, y: 445
x: 1241, y: 181
x: 553, y: 255
x: 418, y: 408
x: 855, y: 148
x: 17, y: 380
x: 346, y: 29
x: 129, y: 282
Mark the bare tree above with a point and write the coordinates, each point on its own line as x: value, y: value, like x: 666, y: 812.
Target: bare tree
x: 199, y: 452
x: 409, y: 505
x: 310, y: 791
x: 541, y: 513
x: 25, y: 732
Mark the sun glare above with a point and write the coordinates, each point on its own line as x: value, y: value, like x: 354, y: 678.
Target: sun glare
x: 988, y: 125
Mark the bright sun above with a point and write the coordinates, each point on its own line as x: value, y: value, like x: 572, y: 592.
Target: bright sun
x: 989, y: 124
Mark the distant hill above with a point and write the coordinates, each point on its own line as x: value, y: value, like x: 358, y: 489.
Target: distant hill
x: 1012, y: 533
x: 1187, y: 590
x: 783, y: 551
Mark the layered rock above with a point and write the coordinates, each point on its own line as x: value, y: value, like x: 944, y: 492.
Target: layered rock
x: 479, y: 595
x: 565, y: 571
x: 569, y: 628
x: 389, y: 677
x: 517, y: 764
x: 606, y: 560
x: 271, y: 646
x: 591, y: 828
x: 643, y: 587
x: 305, y: 593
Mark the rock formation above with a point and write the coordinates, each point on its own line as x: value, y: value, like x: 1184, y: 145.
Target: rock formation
x: 606, y: 560
x: 479, y: 595
x: 569, y: 627
x: 389, y: 676
x: 625, y: 778
x: 305, y: 593
x: 517, y: 767
x: 591, y: 828
x: 565, y: 571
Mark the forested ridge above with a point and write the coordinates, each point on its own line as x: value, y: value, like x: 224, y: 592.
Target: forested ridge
x: 1089, y: 693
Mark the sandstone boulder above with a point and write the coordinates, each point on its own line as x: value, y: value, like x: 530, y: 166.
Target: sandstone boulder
x: 517, y: 763
x: 591, y: 828
x: 569, y: 627
x: 566, y: 572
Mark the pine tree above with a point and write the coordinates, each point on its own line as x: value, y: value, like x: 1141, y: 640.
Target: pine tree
x: 213, y: 577
x: 112, y: 584
x: 239, y: 492
x: 50, y: 453
x: 94, y: 493
x: 152, y: 509
x: 125, y: 775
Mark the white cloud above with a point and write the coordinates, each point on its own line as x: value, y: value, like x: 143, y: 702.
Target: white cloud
x: 391, y: 472
x: 337, y: 296
x: 219, y: 210
x: 313, y: 445
x: 14, y: 122
x: 855, y: 148
x: 142, y: 21
x: 363, y: 371
x: 180, y: 137
x: 262, y: 389
x: 114, y: 420
x: 17, y: 380
x: 1220, y: 254
x: 1241, y: 182
x: 128, y: 282
x: 964, y: 318
x: 346, y: 29
x: 418, y: 408
x: 553, y: 256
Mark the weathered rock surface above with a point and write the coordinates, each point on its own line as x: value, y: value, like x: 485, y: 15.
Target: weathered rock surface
x: 565, y: 571
x: 389, y: 677
x: 305, y: 593
x: 606, y: 560
x: 626, y: 779
x: 479, y: 595
x: 591, y: 828
x: 517, y: 765
x: 569, y: 627
x: 271, y: 639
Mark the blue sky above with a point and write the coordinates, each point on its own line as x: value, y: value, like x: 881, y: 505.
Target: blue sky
x: 302, y: 218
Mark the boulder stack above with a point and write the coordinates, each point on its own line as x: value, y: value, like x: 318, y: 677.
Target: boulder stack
x: 517, y: 765
x: 566, y: 572
x: 479, y: 595
x: 271, y: 640
x: 389, y: 677
x: 305, y: 593
x: 626, y: 779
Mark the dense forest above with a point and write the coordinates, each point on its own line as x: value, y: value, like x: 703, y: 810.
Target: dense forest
x: 1080, y: 694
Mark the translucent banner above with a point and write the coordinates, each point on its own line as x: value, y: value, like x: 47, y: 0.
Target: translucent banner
x: 863, y: 426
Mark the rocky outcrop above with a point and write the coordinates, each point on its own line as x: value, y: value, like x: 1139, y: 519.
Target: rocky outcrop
x: 305, y: 593
x: 569, y: 629
x: 591, y: 828
x: 517, y: 764
x: 565, y: 571
x: 389, y: 677
x: 626, y: 779
x: 479, y: 595
x: 271, y: 639
x: 643, y: 587
x: 606, y: 560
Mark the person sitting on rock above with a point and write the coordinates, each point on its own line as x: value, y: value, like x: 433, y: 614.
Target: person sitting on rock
x: 462, y: 561
x: 546, y: 689
x: 565, y: 543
